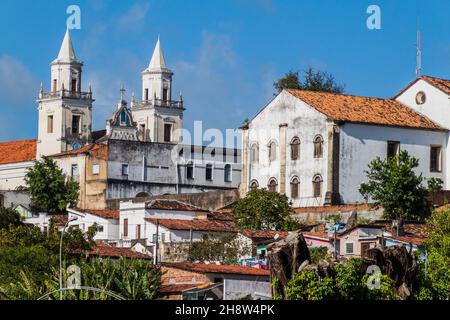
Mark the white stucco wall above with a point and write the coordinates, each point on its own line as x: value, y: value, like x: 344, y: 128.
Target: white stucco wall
x: 360, y: 144
x: 305, y: 123
x: 85, y: 221
x: 12, y: 175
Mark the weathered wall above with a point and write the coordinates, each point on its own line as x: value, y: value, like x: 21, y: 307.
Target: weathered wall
x: 313, y: 215
x: 11, y: 199
x: 303, y: 122
x: 360, y: 144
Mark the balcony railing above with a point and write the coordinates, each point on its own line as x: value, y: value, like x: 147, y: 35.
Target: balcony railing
x: 66, y: 94
x: 159, y: 103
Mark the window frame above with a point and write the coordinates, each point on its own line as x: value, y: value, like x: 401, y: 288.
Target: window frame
x: 50, y: 126
x: 125, y: 169
x: 190, y: 166
x: 396, y: 144
x: 270, y: 185
x: 228, y: 173
x: 125, y: 227
x: 318, y: 141
x: 168, y: 131
x: 438, y: 164
x: 346, y: 247
x: 317, y: 180
x: 209, y: 168
x: 295, y: 143
x: 252, y: 183
x: 95, y: 169
x: 297, y: 185
x: 272, y: 151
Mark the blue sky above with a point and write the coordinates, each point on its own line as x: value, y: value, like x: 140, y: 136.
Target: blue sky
x: 225, y: 54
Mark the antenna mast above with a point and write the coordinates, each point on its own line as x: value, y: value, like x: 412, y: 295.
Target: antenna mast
x: 419, y: 56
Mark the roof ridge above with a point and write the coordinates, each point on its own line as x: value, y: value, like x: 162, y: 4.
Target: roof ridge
x: 343, y: 94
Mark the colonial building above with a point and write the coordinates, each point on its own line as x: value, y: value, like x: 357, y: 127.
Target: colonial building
x: 139, y: 154
x: 315, y: 146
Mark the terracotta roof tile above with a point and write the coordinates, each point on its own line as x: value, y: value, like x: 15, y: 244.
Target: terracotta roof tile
x: 258, y: 235
x: 441, y: 84
x: 175, y: 288
x: 17, y: 151
x: 60, y: 219
x: 107, y: 214
x: 168, y: 204
x: 213, y: 268
x: 102, y: 249
x: 335, y: 208
x: 99, y: 150
x: 414, y: 233
x: 195, y: 225
x: 358, y: 109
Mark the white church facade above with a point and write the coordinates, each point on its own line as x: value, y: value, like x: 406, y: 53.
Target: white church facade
x: 315, y: 147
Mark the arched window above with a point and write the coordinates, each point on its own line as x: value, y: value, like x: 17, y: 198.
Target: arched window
x: 254, y: 185
x: 142, y: 195
x: 190, y: 170
x: 209, y: 172
x: 272, y: 186
x: 228, y: 173
x: 295, y: 183
x: 318, y: 146
x: 295, y: 148
x: 317, y: 186
x: 254, y: 153
x: 123, y: 118
x: 272, y: 151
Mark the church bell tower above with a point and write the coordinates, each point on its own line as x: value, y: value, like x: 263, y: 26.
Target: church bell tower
x: 65, y: 111
x: 159, y: 118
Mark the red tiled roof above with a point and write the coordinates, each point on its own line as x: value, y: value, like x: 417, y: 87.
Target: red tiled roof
x: 98, y: 134
x: 335, y: 208
x: 60, y: 219
x: 263, y: 234
x: 414, y: 233
x: 99, y: 150
x: 102, y: 249
x: 175, y: 288
x: 213, y: 268
x: 107, y: 214
x: 358, y: 109
x: 169, y: 204
x: 322, y: 235
x: 195, y: 225
x: 220, y: 215
x: 441, y: 84
x: 17, y: 151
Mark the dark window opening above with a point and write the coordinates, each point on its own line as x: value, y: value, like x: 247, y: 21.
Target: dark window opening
x: 167, y: 133
x: 435, y: 158
x: 317, y: 186
x: 209, y: 172
x: 272, y: 185
x: 294, y: 188
x: 74, y: 85
x: 318, y: 147
x: 228, y: 173
x: 165, y: 94
x: 295, y: 149
x: 76, y: 124
x: 393, y: 148
x: 190, y: 170
x: 50, y: 124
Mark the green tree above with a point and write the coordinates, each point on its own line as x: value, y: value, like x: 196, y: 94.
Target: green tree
x: 130, y: 278
x: 50, y: 189
x: 435, y: 277
x: 393, y: 184
x: 223, y: 247
x: 264, y: 210
x: 314, y: 80
x: 9, y: 217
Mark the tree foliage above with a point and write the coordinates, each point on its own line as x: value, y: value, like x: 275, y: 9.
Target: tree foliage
x: 225, y: 248
x: 264, y: 210
x: 393, y: 184
x: 130, y: 278
x: 435, y: 275
x: 314, y: 80
x: 50, y: 189
x: 347, y: 281
x: 9, y: 217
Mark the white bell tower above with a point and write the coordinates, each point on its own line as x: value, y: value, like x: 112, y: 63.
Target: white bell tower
x: 65, y: 112
x: 159, y: 118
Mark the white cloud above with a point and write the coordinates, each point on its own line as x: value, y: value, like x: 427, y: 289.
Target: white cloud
x: 133, y: 17
x: 18, y: 87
